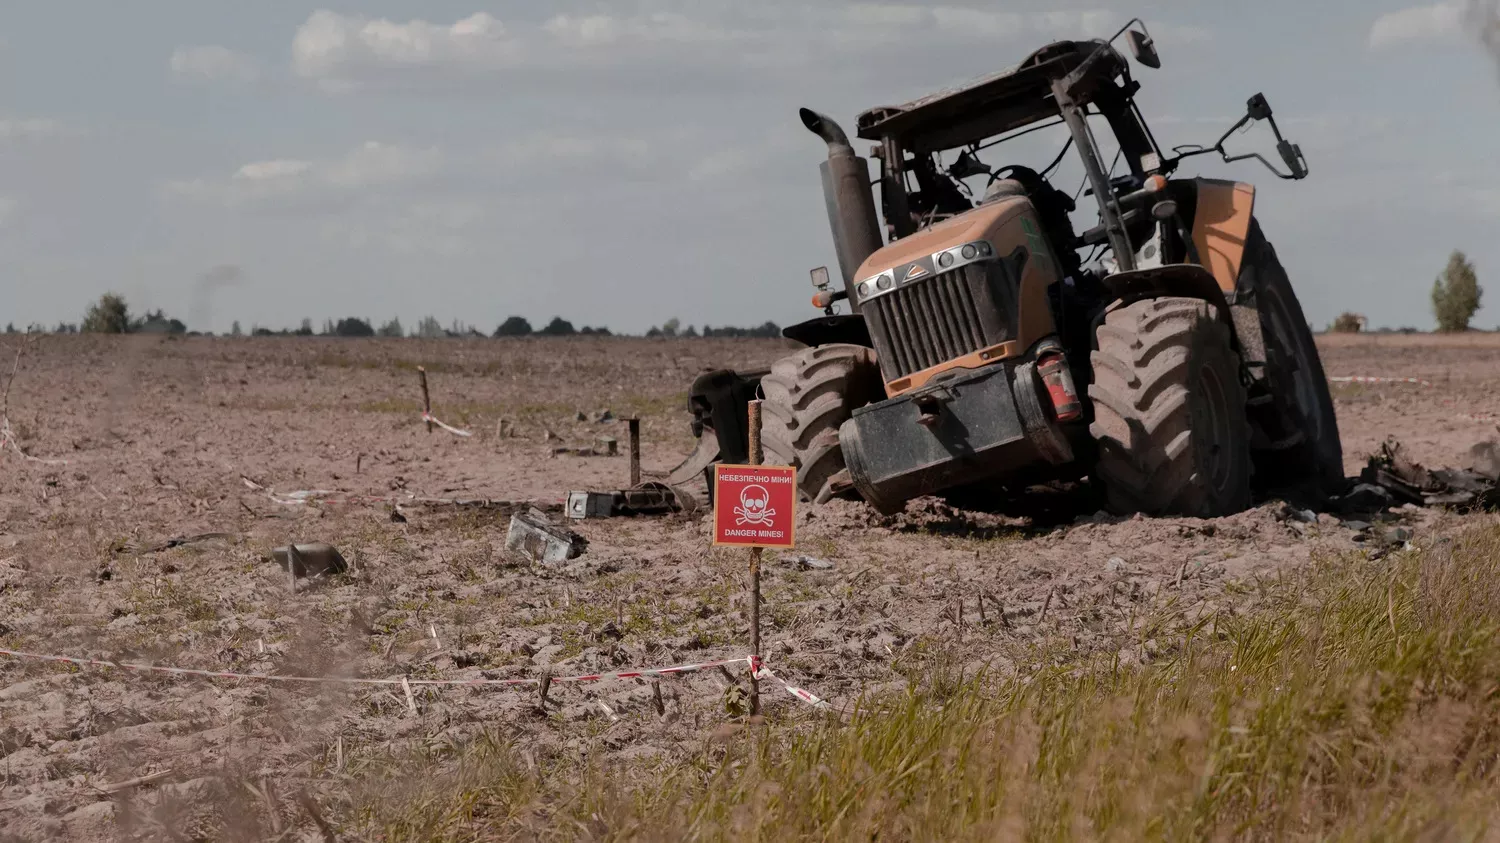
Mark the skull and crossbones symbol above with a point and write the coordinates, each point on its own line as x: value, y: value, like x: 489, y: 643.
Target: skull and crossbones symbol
x: 754, y: 506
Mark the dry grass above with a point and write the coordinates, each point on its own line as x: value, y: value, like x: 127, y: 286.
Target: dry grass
x: 1356, y: 700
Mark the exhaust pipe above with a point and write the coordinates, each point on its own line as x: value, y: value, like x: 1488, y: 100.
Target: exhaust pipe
x: 850, y: 201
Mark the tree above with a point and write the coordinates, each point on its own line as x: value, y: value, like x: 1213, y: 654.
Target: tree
x: 1348, y: 323
x: 514, y: 326
x: 305, y: 330
x: 352, y: 327
x: 1455, y: 294
x: 429, y: 327
x: 109, y: 315
x: 669, y: 327
x: 10, y: 327
x: 234, y: 330
x: 157, y: 322
x: 558, y: 327
x: 392, y: 328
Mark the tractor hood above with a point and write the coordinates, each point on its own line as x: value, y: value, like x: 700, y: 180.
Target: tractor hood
x: 921, y: 254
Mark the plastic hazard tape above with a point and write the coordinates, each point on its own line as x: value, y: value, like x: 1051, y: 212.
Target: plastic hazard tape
x: 759, y: 669
x: 1371, y: 379
x: 763, y: 672
x: 267, y: 677
x: 428, y: 417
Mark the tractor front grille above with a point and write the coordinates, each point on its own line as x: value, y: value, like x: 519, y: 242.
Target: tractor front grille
x: 933, y: 320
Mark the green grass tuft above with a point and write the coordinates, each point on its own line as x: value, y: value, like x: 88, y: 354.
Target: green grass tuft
x: 1353, y: 700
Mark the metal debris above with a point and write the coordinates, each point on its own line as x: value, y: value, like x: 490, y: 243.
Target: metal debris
x: 1394, y: 476
x: 533, y: 535
x: 650, y: 498
x: 811, y: 563
x: 315, y: 559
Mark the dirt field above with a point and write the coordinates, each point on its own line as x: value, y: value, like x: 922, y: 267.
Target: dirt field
x: 161, y: 436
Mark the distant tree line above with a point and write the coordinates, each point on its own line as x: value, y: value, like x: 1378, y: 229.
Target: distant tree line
x: 111, y: 315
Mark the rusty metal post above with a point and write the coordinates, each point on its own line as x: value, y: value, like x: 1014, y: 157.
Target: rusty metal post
x: 426, y: 398
x: 635, y: 451
x: 756, y: 457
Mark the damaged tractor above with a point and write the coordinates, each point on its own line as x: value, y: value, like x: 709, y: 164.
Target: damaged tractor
x: 1161, y: 354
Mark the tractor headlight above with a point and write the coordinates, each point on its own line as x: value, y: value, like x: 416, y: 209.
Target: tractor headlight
x: 945, y: 260
x: 969, y: 251
x: 884, y: 282
x: 864, y: 289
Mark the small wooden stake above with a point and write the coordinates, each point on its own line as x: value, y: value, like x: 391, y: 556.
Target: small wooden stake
x: 635, y: 451
x: 293, y: 559
x: 426, y: 398
x: 656, y: 700
x: 411, y: 701
x: 542, y: 697
x: 756, y: 457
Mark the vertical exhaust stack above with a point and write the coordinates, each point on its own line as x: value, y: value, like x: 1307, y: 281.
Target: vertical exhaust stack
x: 850, y: 201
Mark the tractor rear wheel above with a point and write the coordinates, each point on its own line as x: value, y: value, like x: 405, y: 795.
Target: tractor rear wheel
x: 1296, y: 370
x: 807, y: 396
x: 1169, y: 411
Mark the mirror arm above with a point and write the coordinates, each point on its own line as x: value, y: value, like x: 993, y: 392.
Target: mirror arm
x: 1229, y: 159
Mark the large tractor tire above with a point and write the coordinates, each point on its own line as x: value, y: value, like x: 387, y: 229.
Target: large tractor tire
x: 1297, y: 370
x: 1169, y: 411
x: 807, y: 396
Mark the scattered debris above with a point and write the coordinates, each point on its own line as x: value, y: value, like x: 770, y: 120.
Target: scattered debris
x: 534, y: 535
x: 604, y: 416
x: 649, y: 498
x: 175, y: 541
x: 811, y: 563
x: 313, y: 559
x: 1392, y: 477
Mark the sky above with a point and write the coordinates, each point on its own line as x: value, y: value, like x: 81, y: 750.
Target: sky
x: 625, y: 163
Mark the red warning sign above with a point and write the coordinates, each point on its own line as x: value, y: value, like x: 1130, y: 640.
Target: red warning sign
x: 755, y: 505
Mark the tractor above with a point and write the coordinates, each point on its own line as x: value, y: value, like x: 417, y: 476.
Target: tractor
x: 1161, y: 354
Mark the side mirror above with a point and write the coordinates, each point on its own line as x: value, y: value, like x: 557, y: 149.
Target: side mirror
x: 1143, y: 48
x: 819, y: 277
x: 1258, y: 108
x: 1291, y: 153
x: 967, y: 165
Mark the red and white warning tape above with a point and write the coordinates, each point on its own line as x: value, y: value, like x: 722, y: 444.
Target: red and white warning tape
x: 428, y: 417
x: 267, y: 677
x: 763, y: 672
x: 1372, y: 379
x: 760, y: 672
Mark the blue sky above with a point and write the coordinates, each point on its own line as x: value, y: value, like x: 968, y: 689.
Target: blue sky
x: 625, y: 163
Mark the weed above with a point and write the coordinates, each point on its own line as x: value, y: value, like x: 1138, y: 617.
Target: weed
x: 1355, y: 700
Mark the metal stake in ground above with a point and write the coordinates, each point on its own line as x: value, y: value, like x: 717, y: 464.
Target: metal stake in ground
x: 756, y: 457
x: 635, y: 451
x: 426, y: 398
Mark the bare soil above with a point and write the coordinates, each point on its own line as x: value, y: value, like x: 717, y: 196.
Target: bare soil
x: 168, y: 437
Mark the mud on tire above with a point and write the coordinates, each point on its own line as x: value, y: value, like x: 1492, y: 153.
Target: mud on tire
x: 807, y: 396
x: 1169, y: 411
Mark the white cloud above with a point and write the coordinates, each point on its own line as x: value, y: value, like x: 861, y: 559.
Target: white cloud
x: 370, y: 165
x: 335, y: 48
x: 1439, y: 21
x: 602, y: 30
x: 423, y: 228
x: 342, y: 53
x: 214, y: 63
x: 33, y: 128
x: 280, y: 168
